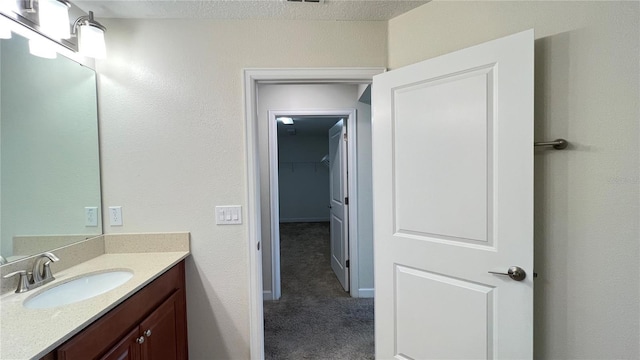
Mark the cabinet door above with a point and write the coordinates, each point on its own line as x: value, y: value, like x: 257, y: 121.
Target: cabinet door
x: 127, y: 349
x: 159, y: 331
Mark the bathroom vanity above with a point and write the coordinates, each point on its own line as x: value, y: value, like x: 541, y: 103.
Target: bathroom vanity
x: 151, y: 324
x: 142, y: 318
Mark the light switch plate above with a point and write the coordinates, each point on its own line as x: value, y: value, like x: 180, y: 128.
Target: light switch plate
x: 229, y: 215
x: 91, y: 216
x: 115, y: 215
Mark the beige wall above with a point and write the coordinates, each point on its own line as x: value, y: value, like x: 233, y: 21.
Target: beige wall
x: 172, y: 130
x: 586, y: 198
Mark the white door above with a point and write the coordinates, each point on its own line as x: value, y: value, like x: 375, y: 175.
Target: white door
x: 339, y: 211
x: 453, y: 200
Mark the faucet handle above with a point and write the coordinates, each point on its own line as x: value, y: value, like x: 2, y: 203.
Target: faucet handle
x: 46, y: 271
x: 23, y: 282
x: 41, y: 269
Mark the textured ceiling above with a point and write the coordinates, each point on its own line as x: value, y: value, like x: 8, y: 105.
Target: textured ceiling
x: 249, y: 9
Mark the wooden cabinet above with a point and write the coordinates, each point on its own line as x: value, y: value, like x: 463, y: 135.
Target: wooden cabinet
x: 155, y: 338
x: 150, y: 325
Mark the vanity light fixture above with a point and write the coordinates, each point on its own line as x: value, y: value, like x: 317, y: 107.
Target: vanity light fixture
x: 285, y: 120
x: 54, y: 18
x: 90, y: 35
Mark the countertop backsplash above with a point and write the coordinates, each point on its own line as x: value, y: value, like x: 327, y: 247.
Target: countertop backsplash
x: 69, y: 256
x: 85, y: 250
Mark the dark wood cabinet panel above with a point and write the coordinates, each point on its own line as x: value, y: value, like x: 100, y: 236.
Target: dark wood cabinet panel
x: 159, y: 306
x: 127, y: 349
x: 159, y: 330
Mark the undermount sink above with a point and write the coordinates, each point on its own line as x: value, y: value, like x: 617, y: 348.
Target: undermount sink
x: 81, y: 288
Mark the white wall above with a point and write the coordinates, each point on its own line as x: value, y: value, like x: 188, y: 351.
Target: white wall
x: 49, y: 137
x: 586, y: 198
x: 172, y: 124
x: 303, y: 181
x: 317, y: 97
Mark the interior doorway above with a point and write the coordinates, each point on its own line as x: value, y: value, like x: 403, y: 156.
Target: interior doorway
x: 314, y: 316
x: 319, y: 100
x: 311, y: 180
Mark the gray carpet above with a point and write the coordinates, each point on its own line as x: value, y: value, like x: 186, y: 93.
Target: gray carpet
x: 314, y: 318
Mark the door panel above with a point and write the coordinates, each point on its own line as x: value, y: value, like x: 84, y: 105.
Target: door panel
x: 449, y: 182
x: 453, y: 199
x: 339, y: 210
x: 459, y: 311
x: 337, y: 253
x: 126, y: 349
x: 160, y: 332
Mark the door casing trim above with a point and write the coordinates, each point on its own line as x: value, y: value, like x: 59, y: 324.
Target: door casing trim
x: 251, y: 78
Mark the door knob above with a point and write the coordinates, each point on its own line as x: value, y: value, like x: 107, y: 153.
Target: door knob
x: 140, y: 340
x: 147, y: 333
x: 515, y: 272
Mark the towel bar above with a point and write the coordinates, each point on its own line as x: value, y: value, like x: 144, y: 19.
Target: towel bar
x: 558, y: 144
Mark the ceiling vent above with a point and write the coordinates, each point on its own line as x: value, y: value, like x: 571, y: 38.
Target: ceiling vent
x: 307, y: 1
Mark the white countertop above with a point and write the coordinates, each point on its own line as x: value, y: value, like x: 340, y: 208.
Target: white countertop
x: 32, y: 333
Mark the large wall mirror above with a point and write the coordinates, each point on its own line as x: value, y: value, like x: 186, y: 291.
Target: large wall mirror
x: 49, y: 160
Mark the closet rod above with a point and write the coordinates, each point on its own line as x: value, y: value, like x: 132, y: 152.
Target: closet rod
x: 558, y: 144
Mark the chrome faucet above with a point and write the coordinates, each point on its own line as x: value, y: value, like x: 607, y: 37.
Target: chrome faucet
x: 40, y: 275
x: 42, y: 270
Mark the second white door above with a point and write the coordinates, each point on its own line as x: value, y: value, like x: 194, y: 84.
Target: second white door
x: 339, y: 214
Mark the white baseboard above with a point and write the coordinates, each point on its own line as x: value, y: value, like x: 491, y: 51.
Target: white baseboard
x: 295, y: 220
x: 366, y: 293
x: 267, y: 295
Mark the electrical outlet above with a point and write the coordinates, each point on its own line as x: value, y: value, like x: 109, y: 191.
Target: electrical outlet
x: 115, y: 215
x: 229, y: 215
x: 90, y: 216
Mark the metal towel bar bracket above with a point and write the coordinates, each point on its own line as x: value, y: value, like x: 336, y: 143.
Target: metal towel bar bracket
x: 558, y: 144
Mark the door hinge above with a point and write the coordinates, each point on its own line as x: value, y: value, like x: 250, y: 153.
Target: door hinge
x: 345, y: 136
x: 347, y: 263
x: 346, y: 200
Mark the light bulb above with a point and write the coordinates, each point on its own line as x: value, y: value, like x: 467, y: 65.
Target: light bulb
x: 6, y: 8
x: 9, y: 6
x: 91, y: 42
x: 5, y: 33
x: 286, y: 120
x: 42, y: 48
x: 54, y: 19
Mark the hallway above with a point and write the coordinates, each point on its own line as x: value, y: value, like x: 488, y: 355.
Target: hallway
x: 314, y: 318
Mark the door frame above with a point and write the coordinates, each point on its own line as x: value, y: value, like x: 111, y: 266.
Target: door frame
x: 251, y: 78
x: 349, y: 116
